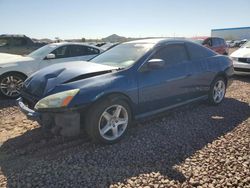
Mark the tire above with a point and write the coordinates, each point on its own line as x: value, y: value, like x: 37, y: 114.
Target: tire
x: 217, y: 91
x: 10, y: 84
x: 107, y: 121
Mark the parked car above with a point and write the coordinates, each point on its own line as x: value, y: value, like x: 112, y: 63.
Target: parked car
x: 18, y: 44
x: 242, y: 42
x: 228, y: 42
x: 130, y: 81
x: 241, y: 59
x: 214, y: 43
x: 235, y: 44
x: 14, y: 69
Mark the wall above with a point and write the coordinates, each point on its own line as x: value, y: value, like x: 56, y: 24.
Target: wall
x: 232, y: 33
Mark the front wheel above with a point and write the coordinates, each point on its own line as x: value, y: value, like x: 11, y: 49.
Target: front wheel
x: 108, y: 121
x: 217, y: 91
x: 11, y: 84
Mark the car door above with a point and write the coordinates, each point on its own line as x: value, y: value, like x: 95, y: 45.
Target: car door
x: 167, y: 86
x: 201, y: 74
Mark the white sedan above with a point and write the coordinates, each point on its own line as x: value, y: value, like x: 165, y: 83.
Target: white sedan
x: 241, y: 59
x: 14, y: 69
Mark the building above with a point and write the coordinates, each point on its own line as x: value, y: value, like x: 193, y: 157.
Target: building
x: 237, y: 33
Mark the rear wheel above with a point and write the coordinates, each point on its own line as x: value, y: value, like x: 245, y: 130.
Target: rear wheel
x: 11, y: 84
x: 217, y: 91
x: 108, y: 121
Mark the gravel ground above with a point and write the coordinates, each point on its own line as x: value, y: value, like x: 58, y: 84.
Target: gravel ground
x: 193, y: 146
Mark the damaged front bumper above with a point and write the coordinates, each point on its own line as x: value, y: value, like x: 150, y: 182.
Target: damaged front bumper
x: 31, y: 114
x: 65, y: 122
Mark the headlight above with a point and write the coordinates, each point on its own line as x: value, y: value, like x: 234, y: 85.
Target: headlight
x: 234, y: 58
x: 57, y: 100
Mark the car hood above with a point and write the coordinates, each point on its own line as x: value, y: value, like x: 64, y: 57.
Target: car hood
x: 44, y: 81
x: 11, y: 58
x: 242, y: 52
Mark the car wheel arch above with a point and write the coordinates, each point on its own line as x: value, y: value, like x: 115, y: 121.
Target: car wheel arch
x: 221, y: 74
x: 14, y: 72
x: 115, y: 95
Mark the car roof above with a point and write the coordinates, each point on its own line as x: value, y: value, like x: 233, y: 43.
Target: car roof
x: 72, y: 43
x: 157, y: 41
x: 12, y: 35
x: 150, y: 41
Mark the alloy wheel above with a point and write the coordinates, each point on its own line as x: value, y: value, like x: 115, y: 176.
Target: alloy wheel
x: 219, y: 91
x: 113, y: 122
x: 11, y: 85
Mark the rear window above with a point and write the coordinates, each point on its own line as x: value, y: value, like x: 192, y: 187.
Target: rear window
x: 198, y: 51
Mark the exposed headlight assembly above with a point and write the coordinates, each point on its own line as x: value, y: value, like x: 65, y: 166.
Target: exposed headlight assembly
x: 57, y: 100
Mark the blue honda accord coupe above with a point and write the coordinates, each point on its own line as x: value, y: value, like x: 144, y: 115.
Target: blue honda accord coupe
x: 130, y: 81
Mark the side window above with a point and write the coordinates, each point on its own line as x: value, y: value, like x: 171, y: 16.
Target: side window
x: 172, y: 53
x: 198, y: 52
x: 92, y: 51
x: 60, y: 52
x: 76, y: 50
x: 80, y: 50
x: 19, y: 42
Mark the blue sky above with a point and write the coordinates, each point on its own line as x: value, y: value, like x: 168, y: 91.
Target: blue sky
x: 131, y: 18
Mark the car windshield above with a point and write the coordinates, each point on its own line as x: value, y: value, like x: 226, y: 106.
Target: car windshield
x: 123, y: 55
x: 246, y: 45
x: 42, y: 52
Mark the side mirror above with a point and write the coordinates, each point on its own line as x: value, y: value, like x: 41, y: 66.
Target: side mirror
x: 50, y: 56
x: 156, y: 64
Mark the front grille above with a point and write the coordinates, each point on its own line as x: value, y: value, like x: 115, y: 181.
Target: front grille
x: 242, y: 70
x: 244, y: 60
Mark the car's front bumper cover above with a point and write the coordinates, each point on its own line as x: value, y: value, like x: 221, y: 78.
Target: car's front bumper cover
x: 65, y: 122
x: 31, y: 114
x: 240, y: 67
